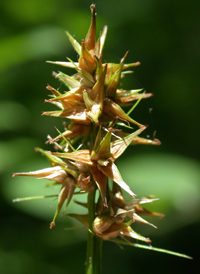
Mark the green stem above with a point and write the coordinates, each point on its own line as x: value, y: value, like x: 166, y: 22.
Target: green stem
x: 94, y: 244
x: 98, y: 255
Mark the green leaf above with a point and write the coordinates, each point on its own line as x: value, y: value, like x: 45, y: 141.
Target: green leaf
x: 151, y: 248
x: 33, y: 198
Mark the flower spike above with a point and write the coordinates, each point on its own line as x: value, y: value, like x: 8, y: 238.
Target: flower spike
x: 96, y: 133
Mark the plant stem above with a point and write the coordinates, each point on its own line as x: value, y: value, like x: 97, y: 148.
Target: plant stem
x: 94, y: 244
x: 98, y: 255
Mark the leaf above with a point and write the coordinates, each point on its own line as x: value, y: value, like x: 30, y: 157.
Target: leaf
x: 118, y: 241
x: 34, y: 198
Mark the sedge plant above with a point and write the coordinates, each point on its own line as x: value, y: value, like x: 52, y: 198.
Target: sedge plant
x: 96, y: 133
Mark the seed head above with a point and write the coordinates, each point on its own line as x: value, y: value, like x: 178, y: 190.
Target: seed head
x: 95, y: 136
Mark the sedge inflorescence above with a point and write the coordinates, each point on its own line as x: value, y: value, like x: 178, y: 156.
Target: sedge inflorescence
x: 95, y: 135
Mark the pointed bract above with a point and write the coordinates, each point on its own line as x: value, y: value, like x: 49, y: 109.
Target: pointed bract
x: 119, y: 146
x: 82, y: 156
x: 129, y: 232
x: 102, y: 151
x: 74, y: 43
x: 87, y: 60
x: 52, y: 173
x: 112, y: 172
x: 66, y: 193
x: 67, y: 80
x: 101, y: 182
x: 113, y: 81
x: 91, y: 35
x: 110, y: 107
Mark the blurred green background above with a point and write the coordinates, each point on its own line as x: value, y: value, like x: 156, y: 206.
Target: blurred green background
x: 165, y: 37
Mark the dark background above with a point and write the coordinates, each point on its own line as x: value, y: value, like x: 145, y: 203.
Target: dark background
x: 165, y: 37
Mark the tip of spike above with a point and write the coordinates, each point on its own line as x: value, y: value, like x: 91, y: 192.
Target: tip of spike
x: 92, y: 7
x: 133, y: 196
x: 148, y: 240
x: 105, y: 205
x: 54, y: 74
x: 52, y: 224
